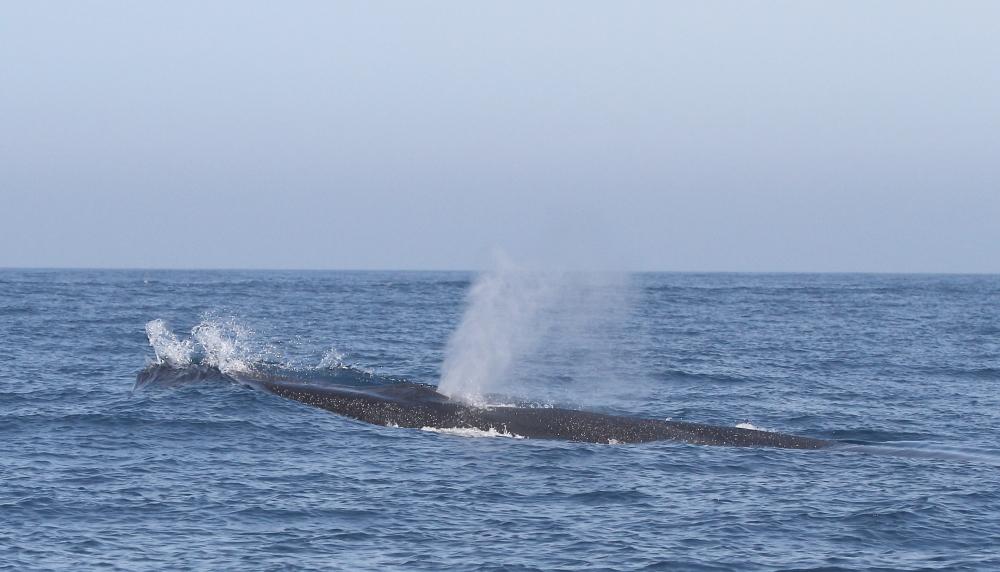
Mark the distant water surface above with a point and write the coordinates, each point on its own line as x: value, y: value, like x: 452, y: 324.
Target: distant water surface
x: 214, y: 475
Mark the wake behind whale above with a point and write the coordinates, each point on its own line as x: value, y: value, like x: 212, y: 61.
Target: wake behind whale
x: 396, y: 403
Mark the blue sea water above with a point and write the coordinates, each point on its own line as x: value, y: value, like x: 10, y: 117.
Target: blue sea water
x: 98, y: 474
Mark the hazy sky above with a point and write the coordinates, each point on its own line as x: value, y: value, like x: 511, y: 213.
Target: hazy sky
x: 699, y: 135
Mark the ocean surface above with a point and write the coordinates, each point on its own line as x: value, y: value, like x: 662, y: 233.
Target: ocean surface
x: 97, y: 473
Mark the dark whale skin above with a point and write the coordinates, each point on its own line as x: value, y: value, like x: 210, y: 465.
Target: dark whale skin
x: 416, y: 406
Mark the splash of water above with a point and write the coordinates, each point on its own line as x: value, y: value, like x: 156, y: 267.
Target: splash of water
x: 332, y: 359
x: 168, y: 348
x: 224, y: 344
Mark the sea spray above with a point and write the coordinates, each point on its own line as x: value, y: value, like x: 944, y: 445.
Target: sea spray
x: 332, y: 359
x: 224, y: 344
x: 168, y: 348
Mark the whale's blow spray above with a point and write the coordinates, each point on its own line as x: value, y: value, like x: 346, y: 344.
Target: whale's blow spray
x: 523, y: 331
x: 500, y: 324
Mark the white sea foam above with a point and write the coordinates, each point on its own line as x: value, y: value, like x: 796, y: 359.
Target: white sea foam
x: 169, y: 350
x: 472, y: 432
x: 748, y: 425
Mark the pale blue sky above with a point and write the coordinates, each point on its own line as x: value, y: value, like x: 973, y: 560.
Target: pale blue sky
x: 746, y: 136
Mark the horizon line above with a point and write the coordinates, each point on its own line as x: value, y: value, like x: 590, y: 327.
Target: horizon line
x: 473, y: 271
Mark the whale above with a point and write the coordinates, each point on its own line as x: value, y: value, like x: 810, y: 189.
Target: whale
x: 407, y: 404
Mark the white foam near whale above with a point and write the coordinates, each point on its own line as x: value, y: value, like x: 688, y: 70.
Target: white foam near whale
x: 751, y: 426
x: 471, y: 432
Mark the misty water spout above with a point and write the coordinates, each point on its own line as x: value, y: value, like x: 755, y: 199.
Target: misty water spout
x: 500, y: 324
x: 541, y: 336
